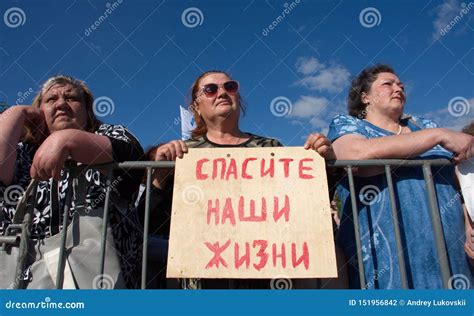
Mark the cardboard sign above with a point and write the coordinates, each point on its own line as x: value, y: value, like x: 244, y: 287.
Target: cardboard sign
x: 251, y: 213
x: 465, y: 173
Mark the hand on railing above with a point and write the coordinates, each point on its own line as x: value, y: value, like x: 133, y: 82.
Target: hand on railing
x: 320, y: 144
x: 167, y: 152
x: 468, y: 151
x: 50, y: 157
x: 461, y: 144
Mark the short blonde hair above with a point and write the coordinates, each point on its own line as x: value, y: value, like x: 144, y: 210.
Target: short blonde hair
x: 92, y: 123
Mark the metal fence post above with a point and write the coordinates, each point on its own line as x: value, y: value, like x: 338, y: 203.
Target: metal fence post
x: 437, y: 228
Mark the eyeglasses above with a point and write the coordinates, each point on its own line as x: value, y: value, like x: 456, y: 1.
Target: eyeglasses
x: 210, y: 89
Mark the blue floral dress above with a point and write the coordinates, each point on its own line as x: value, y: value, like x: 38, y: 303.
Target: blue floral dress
x: 376, y: 228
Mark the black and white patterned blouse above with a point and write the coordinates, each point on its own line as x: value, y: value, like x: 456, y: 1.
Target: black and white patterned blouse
x: 125, y: 226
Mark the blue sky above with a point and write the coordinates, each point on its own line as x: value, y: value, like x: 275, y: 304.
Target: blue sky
x: 143, y: 56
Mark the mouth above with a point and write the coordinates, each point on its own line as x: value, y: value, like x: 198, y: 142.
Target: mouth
x: 60, y: 116
x: 223, y: 103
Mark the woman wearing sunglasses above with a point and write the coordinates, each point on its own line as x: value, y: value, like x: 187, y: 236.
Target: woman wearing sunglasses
x: 216, y: 105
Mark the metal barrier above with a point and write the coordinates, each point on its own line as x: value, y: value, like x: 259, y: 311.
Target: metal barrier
x: 388, y: 165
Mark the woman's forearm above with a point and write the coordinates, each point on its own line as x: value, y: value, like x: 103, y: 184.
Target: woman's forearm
x: 400, y: 146
x: 11, y: 127
x: 85, y: 147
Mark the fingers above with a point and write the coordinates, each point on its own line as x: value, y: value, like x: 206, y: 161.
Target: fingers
x: 321, y: 144
x: 316, y: 140
x: 49, y: 160
x: 40, y: 173
x: 56, y: 173
x: 327, y: 152
x: 469, y: 249
x: 171, y: 151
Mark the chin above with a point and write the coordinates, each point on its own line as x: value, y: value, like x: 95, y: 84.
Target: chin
x: 64, y: 125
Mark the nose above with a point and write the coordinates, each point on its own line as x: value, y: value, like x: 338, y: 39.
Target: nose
x: 398, y: 87
x: 221, y: 91
x: 60, y: 102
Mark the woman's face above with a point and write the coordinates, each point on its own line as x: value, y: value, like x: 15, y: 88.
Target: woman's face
x: 223, y: 104
x: 386, y: 94
x: 64, y: 107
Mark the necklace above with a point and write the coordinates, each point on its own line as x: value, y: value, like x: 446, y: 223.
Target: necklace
x: 399, y: 129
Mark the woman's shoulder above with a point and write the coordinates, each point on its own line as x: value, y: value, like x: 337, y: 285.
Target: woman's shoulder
x: 345, y: 124
x: 345, y: 119
x: 118, y: 132
x: 197, y: 142
x: 422, y: 122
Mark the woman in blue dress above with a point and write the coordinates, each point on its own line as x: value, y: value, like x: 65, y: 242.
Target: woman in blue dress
x: 377, y: 128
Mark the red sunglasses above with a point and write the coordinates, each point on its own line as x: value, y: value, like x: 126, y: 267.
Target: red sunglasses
x: 210, y: 89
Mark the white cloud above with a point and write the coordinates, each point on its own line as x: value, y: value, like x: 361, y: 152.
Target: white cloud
x: 320, y: 125
x: 321, y: 77
x: 308, y: 106
x: 445, y: 118
x: 449, y: 14
x: 315, y: 113
x: 308, y: 66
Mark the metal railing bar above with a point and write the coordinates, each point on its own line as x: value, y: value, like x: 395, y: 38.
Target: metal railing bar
x: 390, y: 162
x: 355, y: 216
x: 105, y: 223
x: 396, y: 228
x: 62, y: 248
x: 348, y: 164
x: 437, y: 228
x: 146, y: 228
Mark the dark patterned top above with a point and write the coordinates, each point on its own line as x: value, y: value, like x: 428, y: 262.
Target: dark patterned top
x: 253, y: 141
x: 124, y: 223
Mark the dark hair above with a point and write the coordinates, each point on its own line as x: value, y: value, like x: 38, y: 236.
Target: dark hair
x: 362, y: 83
x: 469, y: 129
x: 201, y: 127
